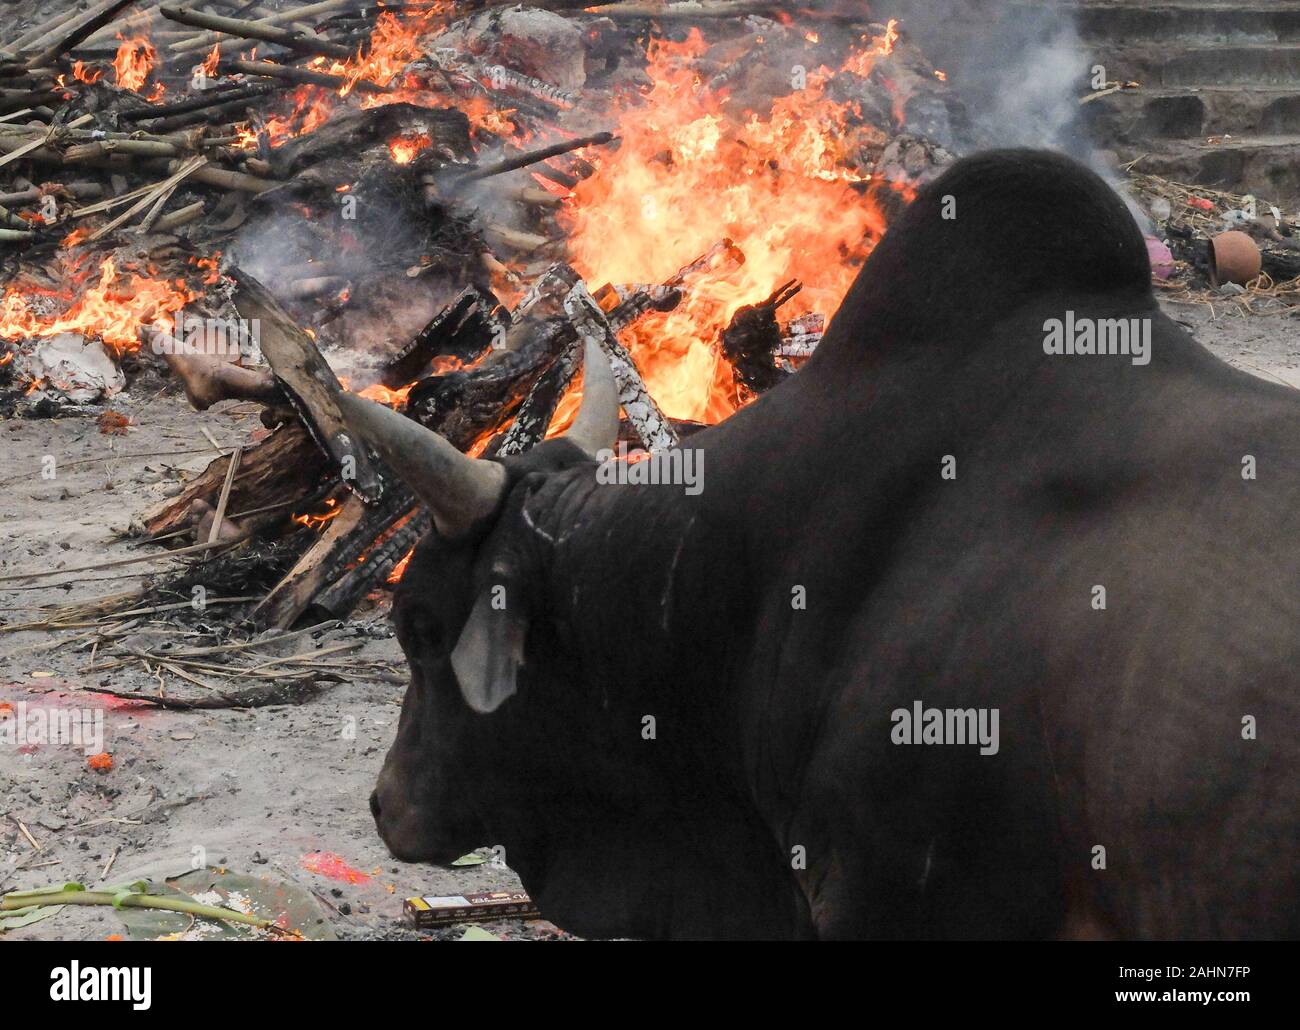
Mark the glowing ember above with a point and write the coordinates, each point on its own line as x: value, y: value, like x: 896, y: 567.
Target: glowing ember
x: 331, y: 511
x: 400, y: 568
x: 484, y: 115
x: 686, y: 175
x: 134, y: 61
x: 404, y: 148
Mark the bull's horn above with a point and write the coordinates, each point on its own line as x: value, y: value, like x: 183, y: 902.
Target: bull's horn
x: 458, y: 491
x: 595, y: 427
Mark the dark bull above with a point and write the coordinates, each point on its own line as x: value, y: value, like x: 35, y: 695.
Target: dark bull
x: 677, y: 713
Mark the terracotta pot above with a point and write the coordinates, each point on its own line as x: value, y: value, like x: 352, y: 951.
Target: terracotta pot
x: 1234, y: 258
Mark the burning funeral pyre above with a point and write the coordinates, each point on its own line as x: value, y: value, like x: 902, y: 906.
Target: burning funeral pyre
x: 439, y: 204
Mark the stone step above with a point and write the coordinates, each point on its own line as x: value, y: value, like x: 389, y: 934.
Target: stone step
x: 1268, y: 166
x: 1272, y: 64
x: 1195, y: 112
x: 1249, y: 65
x: 1174, y: 23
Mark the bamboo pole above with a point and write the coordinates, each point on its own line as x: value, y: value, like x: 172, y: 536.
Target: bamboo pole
x: 206, y: 39
x: 97, y: 17
x: 251, y: 30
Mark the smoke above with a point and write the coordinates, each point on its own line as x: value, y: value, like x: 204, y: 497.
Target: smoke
x: 1020, y: 69
x: 1038, y: 104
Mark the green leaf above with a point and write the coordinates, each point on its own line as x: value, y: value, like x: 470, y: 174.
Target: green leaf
x: 24, y: 916
x: 473, y: 858
x: 477, y: 933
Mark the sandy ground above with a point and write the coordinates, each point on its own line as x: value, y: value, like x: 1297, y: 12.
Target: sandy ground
x: 253, y: 791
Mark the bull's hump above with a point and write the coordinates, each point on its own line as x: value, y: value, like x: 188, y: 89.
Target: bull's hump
x: 993, y: 233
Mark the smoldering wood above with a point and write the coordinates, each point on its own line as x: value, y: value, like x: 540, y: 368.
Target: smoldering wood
x: 1280, y: 265
x: 463, y: 329
x: 465, y: 406
x: 341, y: 598
x: 556, y: 175
x: 534, y: 418
x: 235, y: 104
x: 509, y: 164
x: 653, y: 427
x: 622, y: 306
x: 351, y: 131
x: 326, y: 555
x: 221, y: 94
x: 341, y: 545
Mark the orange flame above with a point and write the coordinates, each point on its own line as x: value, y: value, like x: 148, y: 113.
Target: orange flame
x: 781, y: 184
x: 331, y: 511
x: 134, y: 61
x: 400, y: 568
x: 84, y: 73
x: 863, y: 61
x: 114, y: 309
x: 209, y: 64
x: 394, y: 43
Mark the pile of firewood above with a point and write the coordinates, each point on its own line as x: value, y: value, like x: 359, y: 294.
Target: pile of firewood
x: 224, y: 171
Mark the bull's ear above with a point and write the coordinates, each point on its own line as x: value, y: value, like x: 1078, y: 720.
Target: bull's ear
x: 488, y: 654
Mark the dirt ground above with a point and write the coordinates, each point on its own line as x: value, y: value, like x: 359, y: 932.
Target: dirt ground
x: 257, y: 791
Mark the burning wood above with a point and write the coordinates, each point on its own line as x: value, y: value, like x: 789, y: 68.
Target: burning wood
x: 335, y: 182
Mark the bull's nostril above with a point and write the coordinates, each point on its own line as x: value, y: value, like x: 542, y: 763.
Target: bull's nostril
x: 374, y: 803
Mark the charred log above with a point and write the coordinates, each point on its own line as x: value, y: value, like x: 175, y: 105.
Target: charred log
x: 464, y: 329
